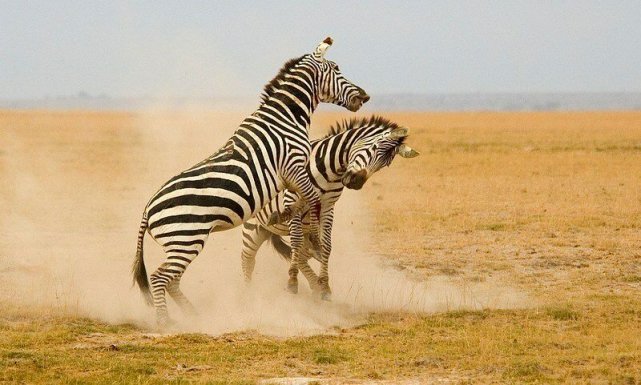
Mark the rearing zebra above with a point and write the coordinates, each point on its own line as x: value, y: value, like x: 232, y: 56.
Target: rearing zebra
x: 351, y: 153
x: 266, y: 154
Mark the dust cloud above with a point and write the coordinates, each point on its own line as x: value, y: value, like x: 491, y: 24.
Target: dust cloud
x: 73, y: 192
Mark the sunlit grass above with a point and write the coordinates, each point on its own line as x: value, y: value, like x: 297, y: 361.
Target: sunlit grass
x: 526, y: 345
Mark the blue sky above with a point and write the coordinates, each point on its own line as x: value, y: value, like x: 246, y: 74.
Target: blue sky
x: 204, y: 48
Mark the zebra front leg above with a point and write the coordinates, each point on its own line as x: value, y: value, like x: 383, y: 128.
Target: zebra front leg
x: 296, y: 237
x: 253, y: 237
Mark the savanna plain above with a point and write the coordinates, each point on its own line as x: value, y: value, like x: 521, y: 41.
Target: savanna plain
x: 509, y: 251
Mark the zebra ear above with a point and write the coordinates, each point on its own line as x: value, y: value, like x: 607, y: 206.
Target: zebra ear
x: 406, y: 151
x: 399, y: 132
x: 319, y: 53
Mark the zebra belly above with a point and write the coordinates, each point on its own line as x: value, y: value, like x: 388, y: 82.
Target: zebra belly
x: 208, y: 201
x: 193, y: 218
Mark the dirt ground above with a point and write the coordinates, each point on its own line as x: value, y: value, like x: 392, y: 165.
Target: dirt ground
x: 508, y: 251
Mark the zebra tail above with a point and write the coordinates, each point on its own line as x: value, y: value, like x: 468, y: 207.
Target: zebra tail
x: 281, y: 247
x: 138, y: 269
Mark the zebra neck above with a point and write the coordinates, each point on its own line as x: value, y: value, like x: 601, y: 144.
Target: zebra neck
x: 325, y: 163
x: 293, y: 103
x: 287, y: 112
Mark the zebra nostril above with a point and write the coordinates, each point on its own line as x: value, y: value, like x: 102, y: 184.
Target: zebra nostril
x: 365, y: 98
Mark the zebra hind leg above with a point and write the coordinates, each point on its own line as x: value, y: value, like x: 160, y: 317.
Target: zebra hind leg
x: 323, y: 281
x: 177, y: 295
x: 166, y: 279
x: 159, y: 281
x: 307, y: 270
x: 327, y: 219
x: 296, y: 237
x: 253, y: 237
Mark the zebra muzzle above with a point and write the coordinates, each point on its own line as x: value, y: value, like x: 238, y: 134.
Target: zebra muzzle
x: 358, y: 101
x: 356, y: 180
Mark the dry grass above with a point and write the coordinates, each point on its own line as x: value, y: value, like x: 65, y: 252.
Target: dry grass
x: 549, y: 202
x: 550, y: 198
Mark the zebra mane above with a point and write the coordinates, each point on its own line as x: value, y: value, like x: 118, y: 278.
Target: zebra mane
x: 273, y: 84
x: 355, y: 123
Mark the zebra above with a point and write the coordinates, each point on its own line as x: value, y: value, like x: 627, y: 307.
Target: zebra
x: 346, y: 157
x: 266, y: 154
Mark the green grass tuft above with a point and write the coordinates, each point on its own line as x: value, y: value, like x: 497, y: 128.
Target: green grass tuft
x: 632, y: 278
x: 564, y: 313
x: 531, y: 370
x: 326, y: 356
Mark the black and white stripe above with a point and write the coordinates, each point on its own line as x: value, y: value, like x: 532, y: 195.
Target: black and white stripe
x: 347, y: 157
x: 266, y: 154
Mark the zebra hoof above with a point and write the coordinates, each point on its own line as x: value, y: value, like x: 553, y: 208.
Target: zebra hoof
x: 326, y: 296
x: 164, y: 323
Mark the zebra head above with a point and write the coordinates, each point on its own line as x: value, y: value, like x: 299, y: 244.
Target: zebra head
x: 333, y: 87
x: 375, y: 150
